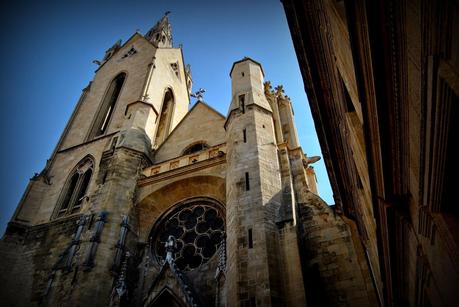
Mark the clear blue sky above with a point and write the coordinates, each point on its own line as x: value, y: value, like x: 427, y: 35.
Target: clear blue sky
x: 47, y: 53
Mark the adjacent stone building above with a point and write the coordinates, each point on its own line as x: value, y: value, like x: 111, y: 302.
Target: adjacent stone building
x: 382, y: 79
x: 146, y: 202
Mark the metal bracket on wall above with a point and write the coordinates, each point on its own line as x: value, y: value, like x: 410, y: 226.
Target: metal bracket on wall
x: 95, y: 240
x: 75, y: 243
x: 65, y: 259
x: 121, y: 244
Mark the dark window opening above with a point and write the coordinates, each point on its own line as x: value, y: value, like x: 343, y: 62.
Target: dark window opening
x: 242, y: 103
x: 107, y: 106
x: 250, y: 238
x: 165, y: 119
x: 68, y: 194
x: 244, y: 133
x: 195, y: 148
x: 253, y: 301
x: 242, y: 73
x: 247, y: 183
x: 82, y: 190
x: 166, y: 298
x: 76, y: 189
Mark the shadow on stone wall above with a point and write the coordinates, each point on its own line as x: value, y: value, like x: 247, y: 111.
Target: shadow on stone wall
x: 332, y: 272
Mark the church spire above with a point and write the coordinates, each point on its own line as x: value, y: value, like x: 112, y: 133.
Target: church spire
x: 161, y: 34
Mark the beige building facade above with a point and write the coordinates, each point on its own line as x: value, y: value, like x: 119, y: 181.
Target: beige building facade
x: 382, y: 79
x: 147, y: 202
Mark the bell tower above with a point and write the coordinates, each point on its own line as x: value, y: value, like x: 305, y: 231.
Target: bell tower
x: 253, y: 187
x: 138, y: 95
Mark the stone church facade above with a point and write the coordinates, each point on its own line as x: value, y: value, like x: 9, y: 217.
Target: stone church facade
x: 146, y: 202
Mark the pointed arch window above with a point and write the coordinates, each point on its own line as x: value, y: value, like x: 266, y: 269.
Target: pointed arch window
x: 75, y: 190
x: 105, y: 113
x: 165, y: 118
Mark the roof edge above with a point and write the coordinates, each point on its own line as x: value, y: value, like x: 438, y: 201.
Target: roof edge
x: 247, y: 59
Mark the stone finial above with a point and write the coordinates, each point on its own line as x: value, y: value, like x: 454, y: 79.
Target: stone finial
x: 279, y: 90
x: 111, y: 51
x: 267, y: 88
x: 188, y: 70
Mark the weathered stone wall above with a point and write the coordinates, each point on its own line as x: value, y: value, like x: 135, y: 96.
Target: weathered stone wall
x: 35, y: 258
x: 28, y: 256
x: 333, y: 274
x: 41, y: 199
x: 116, y: 197
x: 397, y: 110
x: 353, y: 125
x: 201, y: 124
x: 292, y: 272
x: 335, y: 270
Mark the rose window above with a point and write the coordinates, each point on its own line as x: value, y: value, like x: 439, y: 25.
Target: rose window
x: 198, y: 228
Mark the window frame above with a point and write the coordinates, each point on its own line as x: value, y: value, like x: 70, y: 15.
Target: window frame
x: 80, y: 188
x: 169, y: 106
x: 106, y: 110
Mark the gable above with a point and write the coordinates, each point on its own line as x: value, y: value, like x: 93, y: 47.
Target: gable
x: 201, y: 123
x: 166, y: 284
x: 125, y: 47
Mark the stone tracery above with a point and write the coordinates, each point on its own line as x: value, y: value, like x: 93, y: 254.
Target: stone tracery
x: 198, y: 227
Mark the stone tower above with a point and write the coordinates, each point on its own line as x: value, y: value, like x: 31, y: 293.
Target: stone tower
x: 147, y: 203
x: 253, y: 183
x: 138, y: 95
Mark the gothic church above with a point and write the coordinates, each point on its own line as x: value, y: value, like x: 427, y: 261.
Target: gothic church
x: 145, y: 202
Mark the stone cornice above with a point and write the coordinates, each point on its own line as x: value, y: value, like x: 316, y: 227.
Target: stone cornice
x: 140, y: 102
x: 249, y: 106
x: 180, y: 171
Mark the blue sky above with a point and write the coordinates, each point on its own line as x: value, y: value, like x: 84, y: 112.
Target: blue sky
x: 47, y: 53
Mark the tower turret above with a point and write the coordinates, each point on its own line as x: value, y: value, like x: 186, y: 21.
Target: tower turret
x: 253, y: 189
x: 247, y: 85
x: 286, y: 117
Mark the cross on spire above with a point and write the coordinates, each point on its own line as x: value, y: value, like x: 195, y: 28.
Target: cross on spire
x: 199, y: 94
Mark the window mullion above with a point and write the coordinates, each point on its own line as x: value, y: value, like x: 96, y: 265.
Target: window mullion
x: 75, y: 193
